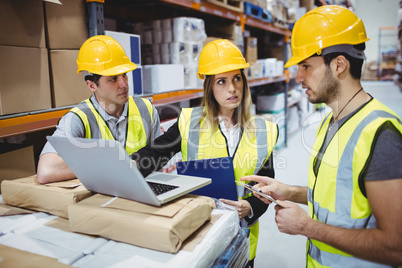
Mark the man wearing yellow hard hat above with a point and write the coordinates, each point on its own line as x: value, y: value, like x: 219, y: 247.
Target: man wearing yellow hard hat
x: 110, y: 113
x: 355, y: 172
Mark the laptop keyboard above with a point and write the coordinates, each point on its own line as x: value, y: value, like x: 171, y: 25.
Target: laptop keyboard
x: 160, y: 188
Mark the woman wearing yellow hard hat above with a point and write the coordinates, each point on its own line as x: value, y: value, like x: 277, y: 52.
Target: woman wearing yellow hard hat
x: 221, y: 127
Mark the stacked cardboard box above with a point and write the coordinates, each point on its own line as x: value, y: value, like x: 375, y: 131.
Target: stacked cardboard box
x: 24, y: 60
x: 231, y: 31
x: 66, y: 31
x: 39, y: 44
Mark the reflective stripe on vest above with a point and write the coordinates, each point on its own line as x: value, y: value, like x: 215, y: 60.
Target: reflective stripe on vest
x: 339, y: 201
x: 321, y: 258
x: 139, y: 129
x: 198, y: 142
x: 250, y: 155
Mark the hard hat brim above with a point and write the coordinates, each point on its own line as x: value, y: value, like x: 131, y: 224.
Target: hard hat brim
x: 121, y: 69
x: 224, y: 69
x: 293, y: 61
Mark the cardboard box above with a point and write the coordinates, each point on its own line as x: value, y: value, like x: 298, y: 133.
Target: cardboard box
x: 17, y: 164
x: 53, y: 198
x: 212, y: 38
x: 251, y: 53
x: 229, y: 31
x: 68, y: 87
x: 24, y: 80
x: 66, y: 25
x: 131, y: 44
x: 370, y: 71
x: 308, y: 4
x: 162, y: 78
x: 160, y: 228
x: 22, y: 23
x: 260, y: 3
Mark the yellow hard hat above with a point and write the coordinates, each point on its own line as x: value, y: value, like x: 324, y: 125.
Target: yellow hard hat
x: 103, y: 55
x: 220, y: 56
x: 324, y: 27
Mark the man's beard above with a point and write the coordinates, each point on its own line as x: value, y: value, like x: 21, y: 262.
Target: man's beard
x: 327, y: 90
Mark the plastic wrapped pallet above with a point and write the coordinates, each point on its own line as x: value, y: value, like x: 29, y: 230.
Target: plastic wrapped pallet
x: 188, y: 30
x: 185, y: 52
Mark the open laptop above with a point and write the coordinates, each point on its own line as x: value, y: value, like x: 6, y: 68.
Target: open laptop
x: 103, y: 166
x: 220, y: 170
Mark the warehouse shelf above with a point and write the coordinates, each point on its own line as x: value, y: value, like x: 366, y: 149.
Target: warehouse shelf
x: 249, y: 21
x: 23, y: 123
x: 266, y: 80
x: 176, y: 96
x: 212, y: 9
x: 208, y: 8
x: 11, y: 125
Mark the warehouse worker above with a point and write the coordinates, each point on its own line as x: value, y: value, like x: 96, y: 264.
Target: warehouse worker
x: 110, y: 113
x: 355, y: 172
x: 221, y: 127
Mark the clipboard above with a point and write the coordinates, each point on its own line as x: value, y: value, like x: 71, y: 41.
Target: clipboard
x: 220, y: 170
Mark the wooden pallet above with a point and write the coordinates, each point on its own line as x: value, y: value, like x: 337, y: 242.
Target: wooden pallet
x: 234, y: 5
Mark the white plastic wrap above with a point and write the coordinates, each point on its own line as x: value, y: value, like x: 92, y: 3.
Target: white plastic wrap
x: 237, y: 253
x: 28, y: 233
x: 188, y: 30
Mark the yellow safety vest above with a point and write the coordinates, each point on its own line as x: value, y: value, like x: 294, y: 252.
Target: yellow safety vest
x: 198, y: 141
x: 334, y: 196
x: 139, y: 124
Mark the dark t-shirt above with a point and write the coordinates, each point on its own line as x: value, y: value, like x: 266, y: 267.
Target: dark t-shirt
x: 385, y: 163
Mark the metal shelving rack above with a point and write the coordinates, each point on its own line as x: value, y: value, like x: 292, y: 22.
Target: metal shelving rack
x: 23, y: 123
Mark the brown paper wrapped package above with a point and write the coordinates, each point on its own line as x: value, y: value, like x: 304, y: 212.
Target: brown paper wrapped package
x: 160, y: 228
x: 53, y: 198
x: 12, y: 257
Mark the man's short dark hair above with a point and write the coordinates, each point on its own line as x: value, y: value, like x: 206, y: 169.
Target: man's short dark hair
x: 94, y: 78
x: 355, y: 64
